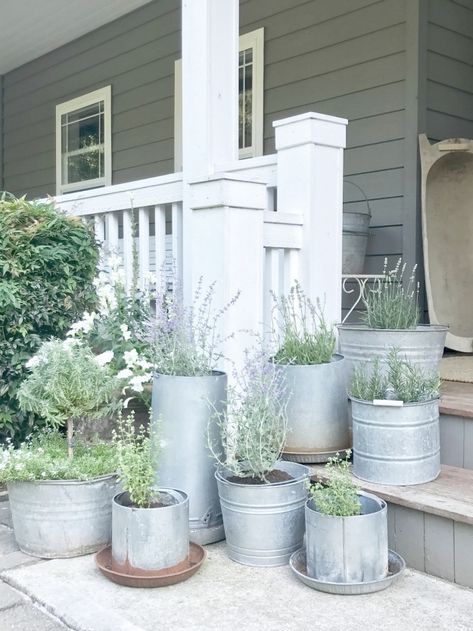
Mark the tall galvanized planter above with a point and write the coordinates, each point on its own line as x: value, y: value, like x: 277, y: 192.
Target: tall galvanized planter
x: 422, y: 346
x: 185, y: 408
x: 348, y: 549
x: 264, y: 523
x: 317, y: 410
x: 62, y: 518
x: 150, y: 539
x: 396, y: 445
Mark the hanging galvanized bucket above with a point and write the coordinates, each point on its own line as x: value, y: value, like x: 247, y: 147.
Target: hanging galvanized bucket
x: 264, y: 523
x: 355, y: 240
x: 184, y: 414
x: 422, y: 346
x: 150, y: 539
x: 317, y: 411
x: 396, y: 445
x: 348, y: 549
x: 62, y: 518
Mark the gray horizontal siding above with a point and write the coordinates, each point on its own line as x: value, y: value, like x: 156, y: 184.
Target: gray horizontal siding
x: 135, y: 55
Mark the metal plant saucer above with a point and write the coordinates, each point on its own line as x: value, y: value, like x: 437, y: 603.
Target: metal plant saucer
x: 396, y: 566
x: 161, y: 578
x: 316, y: 457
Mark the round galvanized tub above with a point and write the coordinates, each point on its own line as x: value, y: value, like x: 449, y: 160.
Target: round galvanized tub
x: 182, y: 410
x: 421, y: 346
x: 264, y: 523
x: 150, y: 538
x: 355, y: 240
x: 348, y: 549
x: 317, y: 410
x: 396, y: 445
x: 62, y: 518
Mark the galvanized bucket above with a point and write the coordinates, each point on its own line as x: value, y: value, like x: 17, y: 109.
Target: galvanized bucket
x: 150, y: 538
x: 396, y: 445
x: 348, y: 549
x: 421, y: 346
x: 355, y: 240
x: 56, y: 519
x: 264, y: 523
x: 317, y: 410
x: 184, y: 409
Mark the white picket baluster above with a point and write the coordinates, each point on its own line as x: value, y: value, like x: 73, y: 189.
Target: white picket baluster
x: 177, y: 239
x: 128, y: 246
x: 143, y: 246
x: 160, y: 241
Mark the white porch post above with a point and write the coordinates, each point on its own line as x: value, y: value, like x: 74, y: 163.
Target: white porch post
x: 310, y: 181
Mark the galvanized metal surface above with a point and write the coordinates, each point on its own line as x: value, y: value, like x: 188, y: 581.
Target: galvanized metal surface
x: 150, y: 538
x: 348, y: 549
x: 264, y: 524
x: 396, y: 445
x: 182, y: 407
x: 317, y: 410
x: 396, y: 567
x: 422, y: 346
x: 355, y: 240
x: 62, y: 518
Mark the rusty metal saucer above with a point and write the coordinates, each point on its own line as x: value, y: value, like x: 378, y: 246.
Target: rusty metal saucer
x: 162, y: 578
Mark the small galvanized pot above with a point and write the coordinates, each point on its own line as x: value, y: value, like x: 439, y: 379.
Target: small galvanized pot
x: 317, y: 410
x: 55, y: 519
x: 150, y: 539
x: 396, y: 445
x: 348, y: 549
x: 422, y: 346
x: 264, y: 523
x: 184, y: 414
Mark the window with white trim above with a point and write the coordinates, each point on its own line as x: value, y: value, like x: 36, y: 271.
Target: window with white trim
x: 250, y: 98
x: 84, y: 142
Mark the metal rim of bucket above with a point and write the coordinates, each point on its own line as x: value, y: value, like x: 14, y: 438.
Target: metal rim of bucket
x: 400, y: 407
x: 381, y: 503
x: 75, y: 482
x: 181, y: 496
x: 417, y: 329
x: 304, y: 474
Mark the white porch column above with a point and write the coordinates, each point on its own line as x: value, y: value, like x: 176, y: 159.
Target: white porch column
x: 310, y: 181
x: 228, y: 248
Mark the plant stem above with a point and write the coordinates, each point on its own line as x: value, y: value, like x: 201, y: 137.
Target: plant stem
x: 70, y: 442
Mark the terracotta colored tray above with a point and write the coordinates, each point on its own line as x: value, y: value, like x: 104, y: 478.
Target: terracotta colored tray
x: 162, y: 578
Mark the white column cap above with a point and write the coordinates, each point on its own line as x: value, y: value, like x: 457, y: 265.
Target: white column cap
x: 310, y: 128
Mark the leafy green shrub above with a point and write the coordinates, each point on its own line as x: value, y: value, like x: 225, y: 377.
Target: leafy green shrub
x: 338, y: 495
x: 48, y: 261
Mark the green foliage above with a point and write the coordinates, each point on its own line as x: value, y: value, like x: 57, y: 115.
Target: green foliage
x: 393, y: 302
x: 136, y: 455
x: 338, y: 495
x: 305, y: 336
x: 45, y: 457
x: 48, y: 262
x: 68, y: 382
x: 403, y: 382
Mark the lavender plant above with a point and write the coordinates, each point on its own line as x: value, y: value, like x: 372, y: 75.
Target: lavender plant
x: 254, y: 426
x: 393, y: 302
x: 302, y: 335
x: 338, y: 495
x: 186, y: 339
x: 403, y: 382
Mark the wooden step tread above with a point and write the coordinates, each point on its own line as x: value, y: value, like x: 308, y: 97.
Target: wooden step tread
x: 457, y: 399
x: 449, y: 496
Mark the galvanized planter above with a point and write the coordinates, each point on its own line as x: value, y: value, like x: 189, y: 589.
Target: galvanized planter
x: 348, y: 549
x: 62, y: 518
x: 396, y: 445
x: 421, y: 346
x: 355, y: 240
x: 150, y: 539
x: 182, y: 407
x: 264, y: 524
x: 317, y: 410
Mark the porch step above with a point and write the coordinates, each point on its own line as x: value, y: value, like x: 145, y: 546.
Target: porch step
x: 456, y: 424
x: 430, y: 525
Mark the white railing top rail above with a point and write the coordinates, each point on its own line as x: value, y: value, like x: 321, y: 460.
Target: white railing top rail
x: 262, y: 168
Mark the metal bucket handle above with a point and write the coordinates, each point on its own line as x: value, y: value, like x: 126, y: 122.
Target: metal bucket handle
x: 369, y: 213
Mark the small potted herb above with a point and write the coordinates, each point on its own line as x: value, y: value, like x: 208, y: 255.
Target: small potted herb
x: 315, y: 376
x: 60, y: 489
x: 395, y: 423
x: 262, y: 497
x: 391, y: 320
x: 346, y: 529
x: 150, y: 525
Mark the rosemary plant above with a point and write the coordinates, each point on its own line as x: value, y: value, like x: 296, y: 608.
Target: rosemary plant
x: 403, y: 382
x: 305, y: 337
x: 393, y: 301
x: 338, y: 495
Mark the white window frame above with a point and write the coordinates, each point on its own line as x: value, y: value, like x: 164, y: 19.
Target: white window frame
x: 255, y: 40
x: 103, y: 94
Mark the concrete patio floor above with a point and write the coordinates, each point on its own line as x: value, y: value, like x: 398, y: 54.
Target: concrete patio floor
x: 223, y: 596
